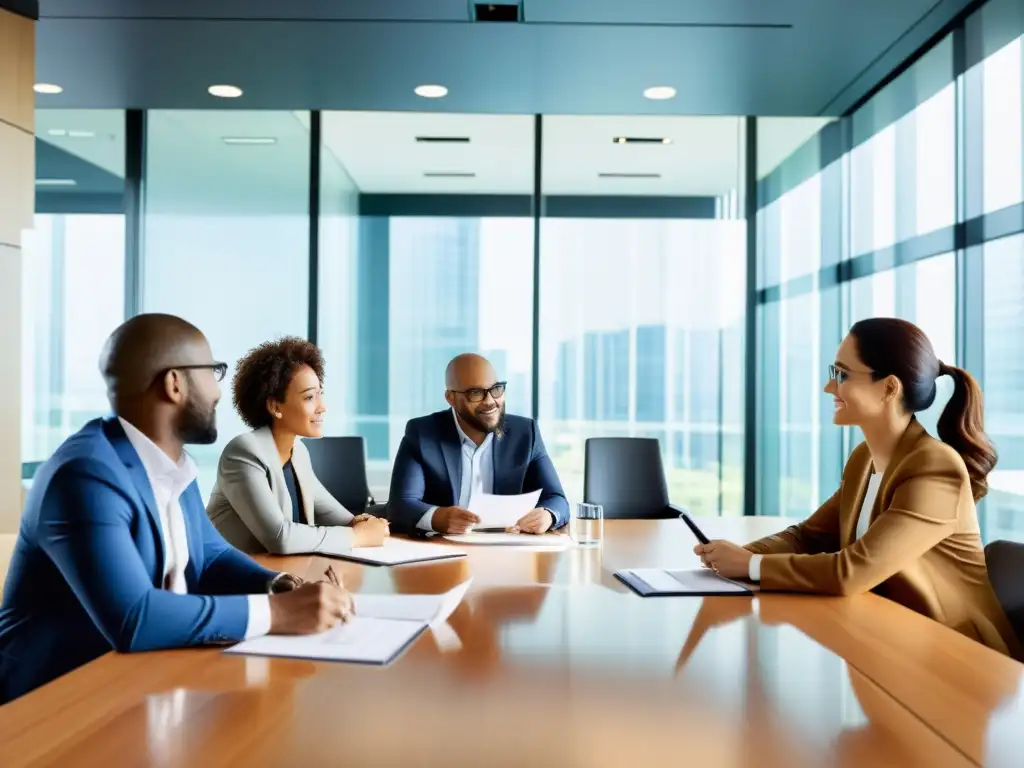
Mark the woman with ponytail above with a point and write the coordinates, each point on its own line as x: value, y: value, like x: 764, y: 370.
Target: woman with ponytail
x: 903, y: 522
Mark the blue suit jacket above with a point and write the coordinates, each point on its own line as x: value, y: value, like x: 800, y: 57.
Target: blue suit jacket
x: 88, y: 565
x: 428, y: 468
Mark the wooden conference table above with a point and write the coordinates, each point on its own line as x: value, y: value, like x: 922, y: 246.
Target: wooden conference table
x: 550, y: 661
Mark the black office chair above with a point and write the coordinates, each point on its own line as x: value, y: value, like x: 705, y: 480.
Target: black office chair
x: 340, y: 464
x: 1005, y: 562
x: 625, y: 475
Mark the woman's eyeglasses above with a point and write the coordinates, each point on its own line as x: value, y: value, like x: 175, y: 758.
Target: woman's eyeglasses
x: 840, y: 375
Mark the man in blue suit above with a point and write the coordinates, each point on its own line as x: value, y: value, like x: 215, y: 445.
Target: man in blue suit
x: 473, y: 447
x: 115, y: 550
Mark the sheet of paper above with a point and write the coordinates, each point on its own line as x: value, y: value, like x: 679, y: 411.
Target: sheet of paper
x: 548, y: 541
x: 502, y: 511
x: 700, y: 580
x: 361, y: 639
x: 430, y: 609
x: 397, y: 551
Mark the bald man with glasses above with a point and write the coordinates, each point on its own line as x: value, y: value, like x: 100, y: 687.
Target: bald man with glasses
x: 472, y: 447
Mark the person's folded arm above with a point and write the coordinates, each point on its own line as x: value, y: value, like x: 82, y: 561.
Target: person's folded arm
x: 244, y: 484
x: 85, y: 529
x: 922, y: 513
x: 818, y: 533
x: 406, y: 507
x: 541, y: 474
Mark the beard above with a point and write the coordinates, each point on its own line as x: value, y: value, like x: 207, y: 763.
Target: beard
x: 197, y: 422
x: 498, y: 428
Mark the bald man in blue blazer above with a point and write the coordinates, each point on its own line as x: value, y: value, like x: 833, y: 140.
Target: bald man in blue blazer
x: 472, y: 447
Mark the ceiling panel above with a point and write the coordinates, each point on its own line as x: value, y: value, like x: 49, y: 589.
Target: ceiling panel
x: 726, y: 57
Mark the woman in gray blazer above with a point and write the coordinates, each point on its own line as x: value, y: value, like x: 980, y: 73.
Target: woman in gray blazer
x: 267, y: 498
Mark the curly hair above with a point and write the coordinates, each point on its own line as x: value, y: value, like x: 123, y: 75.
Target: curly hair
x: 265, y: 373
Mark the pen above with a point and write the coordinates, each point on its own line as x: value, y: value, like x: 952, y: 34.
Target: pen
x: 332, y: 576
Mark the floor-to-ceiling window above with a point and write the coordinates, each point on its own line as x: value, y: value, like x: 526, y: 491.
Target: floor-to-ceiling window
x: 642, y: 280
x: 73, y: 276
x: 426, y: 252
x: 921, y: 220
x: 226, y: 234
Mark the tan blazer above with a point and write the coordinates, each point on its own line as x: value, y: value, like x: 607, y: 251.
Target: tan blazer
x: 922, y: 548
x: 252, y: 509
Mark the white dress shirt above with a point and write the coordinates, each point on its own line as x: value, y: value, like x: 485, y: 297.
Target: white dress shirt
x: 477, y: 472
x: 863, y: 521
x: 168, y: 481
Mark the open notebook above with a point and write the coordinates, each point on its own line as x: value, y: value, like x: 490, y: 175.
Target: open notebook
x: 658, y: 582
x: 383, y: 627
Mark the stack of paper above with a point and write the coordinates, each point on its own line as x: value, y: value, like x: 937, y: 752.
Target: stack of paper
x: 383, y: 626
x: 400, y: 551
x: 547, y: 541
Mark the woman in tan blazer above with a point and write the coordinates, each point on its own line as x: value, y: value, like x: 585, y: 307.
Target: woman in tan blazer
x: 267, y: 498
x: 903, y: 522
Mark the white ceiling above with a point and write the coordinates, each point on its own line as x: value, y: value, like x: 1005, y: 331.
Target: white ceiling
x: 105, y: 149
x: 380, y: 152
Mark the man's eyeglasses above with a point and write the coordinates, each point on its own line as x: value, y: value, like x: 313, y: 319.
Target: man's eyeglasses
x: 477, y: 395
x: 220, y: 370
x: 839, y: 375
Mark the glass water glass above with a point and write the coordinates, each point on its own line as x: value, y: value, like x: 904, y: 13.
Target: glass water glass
x: 588, y: 525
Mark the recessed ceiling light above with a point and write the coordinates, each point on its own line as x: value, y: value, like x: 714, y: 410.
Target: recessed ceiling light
x: 449, y: 174
x: 431, y: 91
x: 660, y: 92
x: 225, y: 91
x: 47, y: 88
x: 57, y: 132
x: 81, y: 134
x: 55, y: 182
x: 250, y: 140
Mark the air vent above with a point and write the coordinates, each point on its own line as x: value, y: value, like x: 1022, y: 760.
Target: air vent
x: 497, y: 12
x: 641, y: 140
x: 443, y: 139
x: 629, y: 175
x: 449, y: 175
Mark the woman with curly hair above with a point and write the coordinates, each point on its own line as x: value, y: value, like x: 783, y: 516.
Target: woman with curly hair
x: 267, y: 498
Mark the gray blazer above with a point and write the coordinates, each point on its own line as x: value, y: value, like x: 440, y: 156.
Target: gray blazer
x: 251, y: 508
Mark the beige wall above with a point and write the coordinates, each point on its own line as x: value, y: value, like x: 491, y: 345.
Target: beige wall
x: 17, y: 192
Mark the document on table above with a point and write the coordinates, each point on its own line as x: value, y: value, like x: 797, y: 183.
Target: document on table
x: 383, y: 626
x: 430, y: 609
x: 545, y: 541
x: 653, y: 582
x: 359, y: 640
x: 401, y: 551
x: 502, y: 511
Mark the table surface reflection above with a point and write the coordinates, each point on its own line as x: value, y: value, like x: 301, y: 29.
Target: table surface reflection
x: 550, y: 661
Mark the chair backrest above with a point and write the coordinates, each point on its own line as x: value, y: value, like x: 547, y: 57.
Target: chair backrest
x: 1005, y: 562
x: 625, y: 476
x: 340, y: 464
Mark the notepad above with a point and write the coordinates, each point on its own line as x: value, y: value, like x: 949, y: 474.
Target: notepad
x: 501, y: 512
x: 656, y: 582
x: 525, y: 540
x: 383, y: 627
x: 359, y: 640
x: 401, y: 551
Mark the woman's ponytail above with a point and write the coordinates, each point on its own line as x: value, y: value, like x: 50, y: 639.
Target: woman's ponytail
x: 962, y: 427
